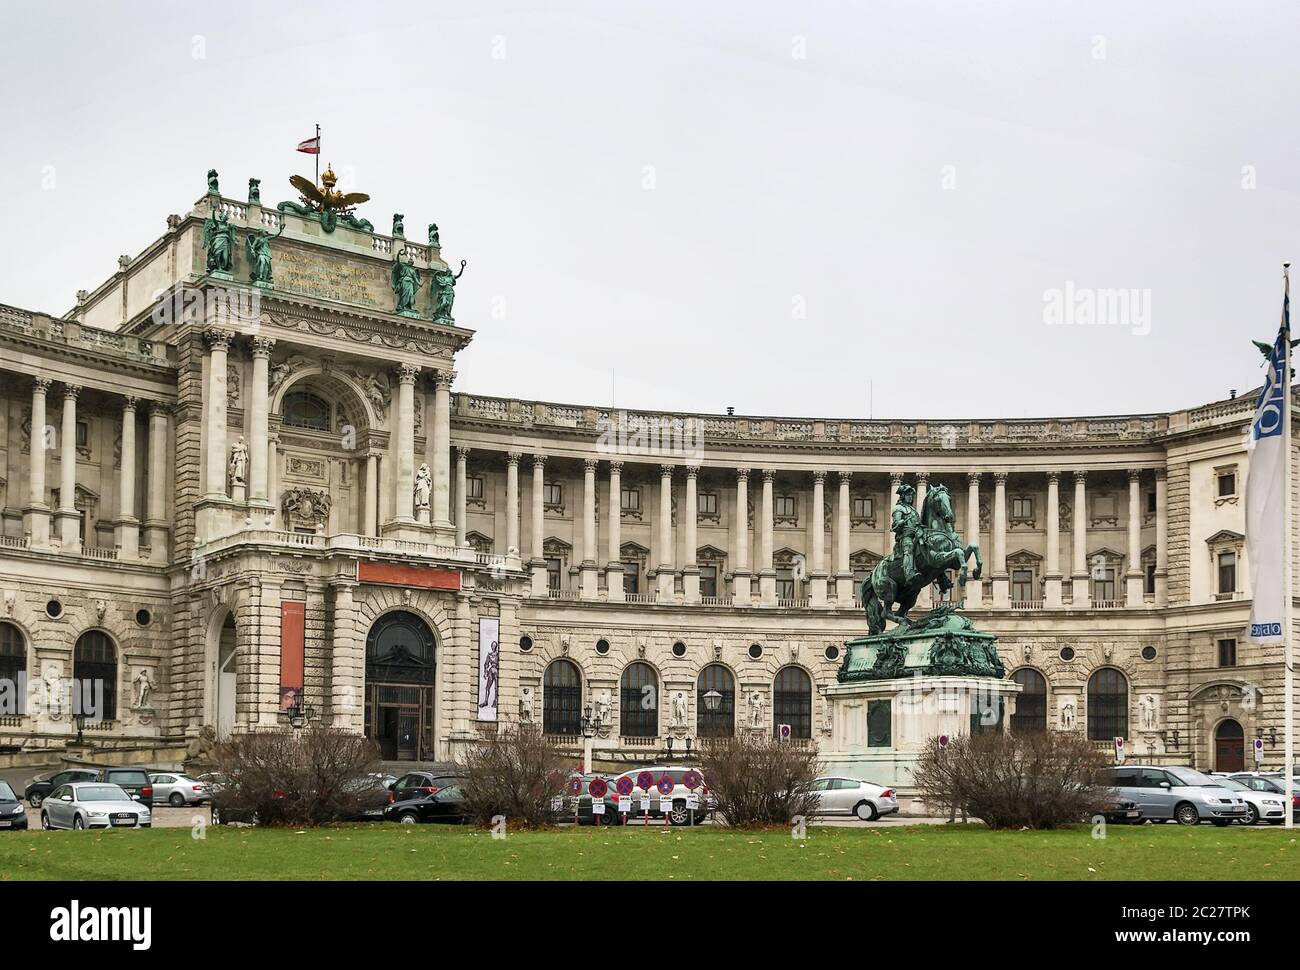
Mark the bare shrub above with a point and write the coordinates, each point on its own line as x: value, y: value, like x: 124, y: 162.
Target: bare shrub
x: 1029, y: 779
x: 517, y: 774
x: 756, y: 779
x: 311, y: 777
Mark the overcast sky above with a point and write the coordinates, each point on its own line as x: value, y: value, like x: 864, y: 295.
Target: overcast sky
x: 797, y: 208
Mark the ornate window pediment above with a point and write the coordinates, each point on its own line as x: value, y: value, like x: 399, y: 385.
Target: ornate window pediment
x: 710, y: 554
x: 862, y: 510
x: 1226, y: 480
x: 785, y: 510
x: 479, y: 542
x: 1020, y: 512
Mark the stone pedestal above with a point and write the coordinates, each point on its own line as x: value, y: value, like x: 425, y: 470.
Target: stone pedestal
x: 1082, y: 597
x: 422, y: 515
x: 590, y: 581
x: 742, y: 592
x: 539, y: 585
x: 1052, y: 593
x: 1001, y: 592
x: 767, y: 588
x: 1133, y: 590
x: 614, y: 582
x: 691, y: 584
x: 817, y: 590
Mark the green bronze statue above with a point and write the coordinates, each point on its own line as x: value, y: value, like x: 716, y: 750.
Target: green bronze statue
x: 219, y: 241
x: 254, y: 191
x: 434, y: 241
x: 404, y: 278
x: 444, y: 293
x: 257, y: 249
x: 213, y: 189
x: 399, y: 225
x: 926, y: 547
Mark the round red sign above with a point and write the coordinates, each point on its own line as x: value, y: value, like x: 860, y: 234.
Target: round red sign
x: 597, y: 787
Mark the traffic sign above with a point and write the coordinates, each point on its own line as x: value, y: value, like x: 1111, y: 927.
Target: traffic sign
x: 692, y: 779
x: 692, y: 801
x: 575, y: 787
x: 624, y: 786
x: 665, y: 785
x: 1259, y: 751
x: 1119, y: 750
x: 943, y: 740
x: 645, y: 781
x: 624, y: 804
x: 783, y: 731
x: 597, y: 787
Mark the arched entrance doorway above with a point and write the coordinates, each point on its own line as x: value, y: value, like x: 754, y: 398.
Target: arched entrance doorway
x: 227, y: 682
x: 1229, y: 746
x: 400, y: 669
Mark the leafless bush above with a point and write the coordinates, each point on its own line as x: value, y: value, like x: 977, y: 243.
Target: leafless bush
x: 1029, y: 779
x: 516, y: 774
x: 310, y: 777
x: 758, y: 780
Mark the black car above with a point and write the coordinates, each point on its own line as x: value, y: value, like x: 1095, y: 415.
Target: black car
x: 418, y: 784
x: 134, y: 781
x: 445, y: 805
x: 1121, y: 811
x: 40, y: 786
x: 12, y: 813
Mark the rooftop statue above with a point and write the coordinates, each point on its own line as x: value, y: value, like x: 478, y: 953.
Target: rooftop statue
x: 444, y: 293
x: 219, y: 241
x: 257, y: 248
x: 332, y: 205
x: 404, y: 278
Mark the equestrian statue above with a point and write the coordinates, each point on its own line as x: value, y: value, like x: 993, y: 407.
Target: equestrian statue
x: 926, y: 549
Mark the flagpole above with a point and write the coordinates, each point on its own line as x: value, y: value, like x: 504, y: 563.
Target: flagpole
x: 318, y: 155
x: 1287, y: 633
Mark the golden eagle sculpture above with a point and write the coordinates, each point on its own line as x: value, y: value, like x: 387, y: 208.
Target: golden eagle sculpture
x: 332, y: 205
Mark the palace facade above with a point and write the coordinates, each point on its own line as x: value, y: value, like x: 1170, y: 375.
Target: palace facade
x: 233, y: 505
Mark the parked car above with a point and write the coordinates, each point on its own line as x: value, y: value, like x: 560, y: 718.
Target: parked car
x: 93, y: 805
x: 1272, y: 784
x: 12, y: 813
x: 215, y: 781
x: 417, y: 784
x: 1121, y: 811
x: 672, y: 806
x: 178, y: 790
x: 1264, y: 806
x: 1180, y: 794
x: 837, y: 795
x: 39, y: 788
x: 135, y: 781
x: 374, y: 793
x: 445, y: 805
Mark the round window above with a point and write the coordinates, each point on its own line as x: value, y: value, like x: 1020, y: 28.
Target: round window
x: 602, y: 647
x: 1067, y: 653
x: 1148, y: 652
x: 143, y: 617
x: 525, y: 644
x: 832, y: 652
x: 755, y: 651
x: 679, y: 649
x: 54, y: 608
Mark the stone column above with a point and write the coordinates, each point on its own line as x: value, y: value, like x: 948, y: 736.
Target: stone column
x: 258, y: 414
x: 404, y: 480
x: 273, y: 480
x: 666, y: 578
x: 1133, y: 575
x: 126, y: 530
x: 843, y: 568
x: 766, y: 568
x: 512, y: 505
x: 215, y: 440
x: 1082, y: 593
x: 462, y: 500
x: 538, y: 563
x: 68, y: 518
x: 690, y: 517
x: 442, y: 450
x: 156, y: 526
x: 740, y: 571
x: 36, y: 513
x: 588, y: 573
x: 1001, y: 581
x: 614, y: 564
x: 1052, y: 594
x: 925, y: 599
x: 370, y: 523
x: 817, y: 574
x: 1162, y: 537
x: 974, y: 586
x: 347, y: 663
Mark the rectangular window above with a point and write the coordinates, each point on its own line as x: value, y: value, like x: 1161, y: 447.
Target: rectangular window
x: 1151, y: 503
x: 707, y: 503
x: 785, y: 584
x: 708, y: 580
x: 1228, y: 653
x: 631, y: 577
x: 630, y: 499
x: 1149, y: 578
x: 83, y: 433
x: 784, y: 506
x: 1022, y: 509
x: 863, y: 507
x: 553, y: 567
x: 1022, y: 585
x: 1227, y: 484
x: 1227, y: 572
x: 1103, y: 507
x: 880, y: 726
x: 474, y: 487
x: 553, y: 495
x: 1103, y: 584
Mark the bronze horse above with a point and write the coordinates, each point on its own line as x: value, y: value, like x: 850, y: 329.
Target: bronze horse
x: 938, y: 549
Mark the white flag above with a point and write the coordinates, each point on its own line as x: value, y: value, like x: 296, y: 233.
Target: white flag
x: 1266, y: 525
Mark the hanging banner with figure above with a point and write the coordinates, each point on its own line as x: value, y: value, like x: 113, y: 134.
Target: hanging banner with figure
x: 489, y: 666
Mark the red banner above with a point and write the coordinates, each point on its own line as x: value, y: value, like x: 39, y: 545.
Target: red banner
x: 394, y: 574
x: 293, y: 648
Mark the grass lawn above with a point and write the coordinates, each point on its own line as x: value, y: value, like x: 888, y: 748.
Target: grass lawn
x: 443, y: 852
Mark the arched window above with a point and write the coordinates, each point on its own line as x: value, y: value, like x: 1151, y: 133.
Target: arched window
x: 562, y: 698
x: 13, y: 667
x: 400, y: 650
x: 1107, y: 705
x: 401, y: 669
x: 715, y: 702
x: 94, y: 670
x: 1031, y: 702
x: 792, y: 702
x: 302, y: 409
x: 639, y: 701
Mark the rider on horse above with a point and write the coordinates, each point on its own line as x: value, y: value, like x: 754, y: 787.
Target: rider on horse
x: 905, y: 523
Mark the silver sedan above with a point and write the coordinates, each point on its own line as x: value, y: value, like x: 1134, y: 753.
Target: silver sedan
x: 178, y: 790
x: 93, y: 805
x: 851, y: 796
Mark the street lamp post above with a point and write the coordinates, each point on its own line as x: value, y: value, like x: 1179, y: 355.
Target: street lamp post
x: 588, y: 732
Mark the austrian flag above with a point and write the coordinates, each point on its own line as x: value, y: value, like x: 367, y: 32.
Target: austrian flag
x: 310, y: 147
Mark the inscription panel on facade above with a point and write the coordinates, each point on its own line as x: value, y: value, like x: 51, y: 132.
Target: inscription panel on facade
x: 334, y: 277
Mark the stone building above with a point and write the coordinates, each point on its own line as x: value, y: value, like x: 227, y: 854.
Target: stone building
x: 236, y: 505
